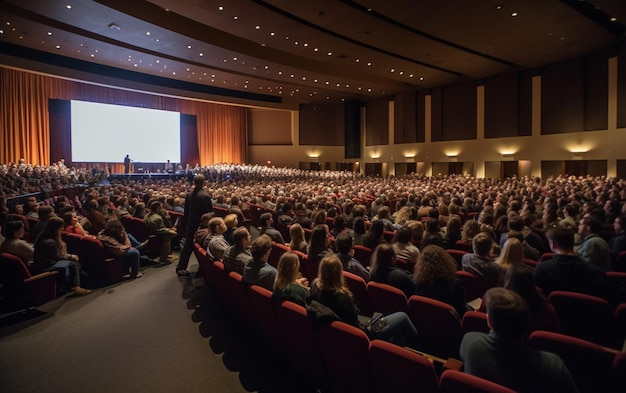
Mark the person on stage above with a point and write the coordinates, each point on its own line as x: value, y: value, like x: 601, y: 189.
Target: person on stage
x: 127, y: 162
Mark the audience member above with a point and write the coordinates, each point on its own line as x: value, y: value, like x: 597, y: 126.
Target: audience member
x: 117, y: 244
x: 329, y: 288
x: 156, y: 226
x: 435, y: 277
x: 258, y: 271
x: 502, y: 356
x: 289, y: 284
x: 593, y: 249
x: 50, y: 253
x: 237, y: 256
x: 568, y: 271
x: 216, y: 243
x: 267, y: 220
x: 519, y: 279
x: 384, y: 270
x: 478, y: 262
x: 345, y: 252
x: 298, y: 242
x: 14, y: 244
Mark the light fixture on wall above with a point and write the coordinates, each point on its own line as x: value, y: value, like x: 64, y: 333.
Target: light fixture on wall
x: 410, y: 157
x: 508, y: 157
x: 453, y: 157
x: 578, y: 156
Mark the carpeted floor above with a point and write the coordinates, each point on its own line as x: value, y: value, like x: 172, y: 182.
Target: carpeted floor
x: 154, y: 334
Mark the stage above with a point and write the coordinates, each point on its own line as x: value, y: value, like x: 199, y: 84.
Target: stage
x: 154, y: 176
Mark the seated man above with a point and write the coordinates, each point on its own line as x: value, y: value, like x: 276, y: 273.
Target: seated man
x: 568, y: 271
x: 502, y: 356
x: 237, y: 256
x: 215, y: 241
x: 594, y: 249
x: 267, y: 220
x: 156, y: 226
x: 258, y: 271
x: 345, y: 252
x: 479, y: 262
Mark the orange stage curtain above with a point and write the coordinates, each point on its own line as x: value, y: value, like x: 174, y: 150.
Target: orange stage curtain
x: 221, y: 129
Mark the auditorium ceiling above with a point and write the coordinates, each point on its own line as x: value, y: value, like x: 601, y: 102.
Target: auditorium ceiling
x: 291, y: 52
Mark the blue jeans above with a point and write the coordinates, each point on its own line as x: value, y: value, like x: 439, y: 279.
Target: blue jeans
x: 131, y: 261
x: 400, y: 331
x: 133, y: 241
x: 69, y: 273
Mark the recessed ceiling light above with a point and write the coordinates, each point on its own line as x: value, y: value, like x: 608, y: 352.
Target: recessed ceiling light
x: 49, y: 33
x: 147, y: 33
x: 69, y: 6
x: 305, y: 44
x: 234, y: 59
x: 499, y: 7
x: 421, y: 78
x: 201, y: 54
x: 58, y: 46
x: 286, y: 37
x: 157, y: 40
x: 315, y: 50
x: 272, y: 34
x: 369, y: 63
x: 330, y: 53
x: 188, y: 46
x: 393, y: 70
x: 514, y: 14
x: 92, y: 55
x: 220, y: 8
x: 295, y: 42
x: 257, y: 27
x: 235, y: 17
x: 613, y: 19
x: 411, y: 76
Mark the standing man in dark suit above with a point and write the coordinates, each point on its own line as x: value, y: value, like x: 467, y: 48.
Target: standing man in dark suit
x: 197, y: 203
x: 127, y: 162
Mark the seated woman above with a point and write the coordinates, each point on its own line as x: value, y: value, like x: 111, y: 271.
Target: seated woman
x: 374, y: 235
x: 519, y: 279
x: 70, y: 219
x: 51, y: 254
x: 14, y: 244
x: 298, y: 242
x: 384, y: 270
x: 329, y: 288
x: 359, y: 231
x: 117, y: 244
x: 435, y: 277
x: 289, y: 284
x: 319, y: 244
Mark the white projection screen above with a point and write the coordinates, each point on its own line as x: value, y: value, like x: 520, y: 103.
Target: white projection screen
x: 107, y: 133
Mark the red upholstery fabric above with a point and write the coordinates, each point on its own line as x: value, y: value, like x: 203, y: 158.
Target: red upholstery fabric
x: 385, y: 299
x: 24, y: 289
x: 358, y: 287
x: 453, y: 381
x: 400, y: 370
x: 438, y: 325
x: 345, y: 350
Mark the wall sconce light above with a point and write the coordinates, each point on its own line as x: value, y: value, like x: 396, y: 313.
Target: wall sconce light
x: 508, y: 157
x: 410, y: 157
x: 578, y: 156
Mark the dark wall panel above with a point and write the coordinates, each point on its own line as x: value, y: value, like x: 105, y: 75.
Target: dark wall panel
x: 562, y: 97
x: 405, y: 124
x: 525, y: 101
x: 621, y: 86
x: 597, y: 91
x: 322, y: 125
x: 501, y: 106
x: 420, y: 116
x: 377, y: 122
x: 352, y: 130
x: 458, y: 113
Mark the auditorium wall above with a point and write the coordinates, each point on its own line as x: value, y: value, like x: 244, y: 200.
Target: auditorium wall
x: 575, y: 120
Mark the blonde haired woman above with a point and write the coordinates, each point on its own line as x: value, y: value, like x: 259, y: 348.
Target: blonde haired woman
x: 289, y: 284
x: 329, y: 288
x: 298, y: 241
x: 512, y: 254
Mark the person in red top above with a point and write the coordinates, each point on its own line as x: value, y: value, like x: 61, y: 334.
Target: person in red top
x: 72, y: 225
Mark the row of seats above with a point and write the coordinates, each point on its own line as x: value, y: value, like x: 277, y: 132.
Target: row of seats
x: 337, y: 357
x: 341, y: 357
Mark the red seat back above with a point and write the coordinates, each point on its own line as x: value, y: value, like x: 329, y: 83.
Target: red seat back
x: 385, y: 299
x: 438, y: 324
